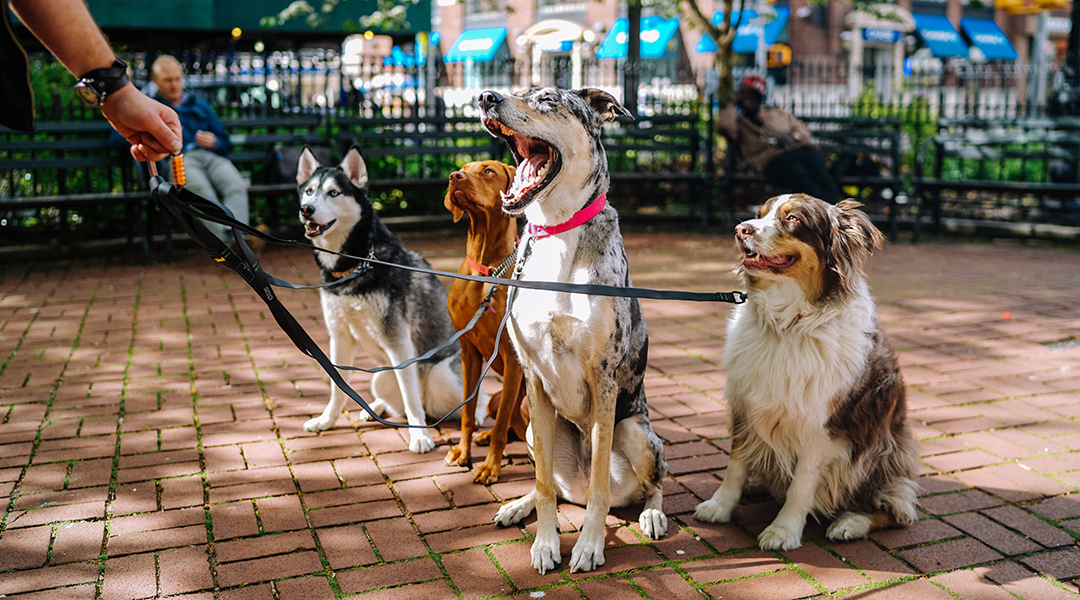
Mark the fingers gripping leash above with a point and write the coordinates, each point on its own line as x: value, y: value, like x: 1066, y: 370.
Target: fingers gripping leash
x: 189, y: 210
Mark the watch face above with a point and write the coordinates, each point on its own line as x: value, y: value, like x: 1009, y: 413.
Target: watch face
x: 88, y: 94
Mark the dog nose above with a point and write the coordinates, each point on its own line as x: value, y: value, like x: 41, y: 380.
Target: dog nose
x: 307, y: 210
x: 457, y: 175
x: 489, y: 99
x: 744, y: 231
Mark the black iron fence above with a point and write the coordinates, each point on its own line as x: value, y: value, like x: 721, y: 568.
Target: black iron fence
x: 894, y: 137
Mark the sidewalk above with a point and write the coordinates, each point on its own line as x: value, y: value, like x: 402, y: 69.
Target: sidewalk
x: 170, y: 459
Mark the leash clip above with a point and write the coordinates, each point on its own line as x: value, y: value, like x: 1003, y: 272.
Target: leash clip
x: 739, y: 297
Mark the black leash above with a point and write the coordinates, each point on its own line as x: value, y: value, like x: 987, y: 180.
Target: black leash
x: 187, y: 209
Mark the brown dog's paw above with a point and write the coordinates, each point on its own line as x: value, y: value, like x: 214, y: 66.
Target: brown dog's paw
x: 457, y: 457
x: 483, y: 438
x: 487, y: 473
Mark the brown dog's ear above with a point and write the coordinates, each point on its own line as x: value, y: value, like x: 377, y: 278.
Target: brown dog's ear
x: 308, y: 164
x: 510, y: 171
x: 448, y: 202
x: 603, y: 103
x: 854, y: 239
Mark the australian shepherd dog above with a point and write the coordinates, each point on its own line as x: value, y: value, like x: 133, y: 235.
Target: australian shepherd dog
x: 818, y: 416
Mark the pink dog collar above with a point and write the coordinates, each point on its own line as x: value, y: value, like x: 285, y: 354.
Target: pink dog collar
x: 580, y: 218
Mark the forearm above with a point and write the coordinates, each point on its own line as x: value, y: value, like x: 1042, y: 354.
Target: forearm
x: 68, y: 31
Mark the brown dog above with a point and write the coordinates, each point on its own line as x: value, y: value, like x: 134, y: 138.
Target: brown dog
x: 475, y: 190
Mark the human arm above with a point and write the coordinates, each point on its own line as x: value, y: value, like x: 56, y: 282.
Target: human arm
x: 66, y: 28
x: 799, y: 131
x: 727, y: 122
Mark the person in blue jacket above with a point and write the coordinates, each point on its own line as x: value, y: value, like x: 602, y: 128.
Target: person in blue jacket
x: 210, y: 174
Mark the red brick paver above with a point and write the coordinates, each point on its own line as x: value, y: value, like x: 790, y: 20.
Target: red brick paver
x: 151, y: 446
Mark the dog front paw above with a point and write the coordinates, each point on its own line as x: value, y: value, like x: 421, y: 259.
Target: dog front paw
x: 320, y: 423
x: 421, y: 443
x: 456, y: 457
x: 545, y: 555
x: 653, y: 523
x: 514, y: 511
x: 849, y: 526
x: 588, y: 554
x: 378, y: 407
x: 487, y: 473
x: 713, y: 511
x: 779, y: 537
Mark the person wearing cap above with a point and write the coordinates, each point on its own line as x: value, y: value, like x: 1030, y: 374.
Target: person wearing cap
x: 776, y: 144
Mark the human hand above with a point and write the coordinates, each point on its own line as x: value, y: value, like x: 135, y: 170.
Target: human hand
x: 206, y: 139
x: 152, y: 128
x: 786, y: 140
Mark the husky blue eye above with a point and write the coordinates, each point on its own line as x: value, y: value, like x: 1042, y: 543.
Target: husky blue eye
x: 309, y: 191
x: 334, y: 193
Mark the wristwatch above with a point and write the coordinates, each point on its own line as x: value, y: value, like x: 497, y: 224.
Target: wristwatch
x: 94, y: 87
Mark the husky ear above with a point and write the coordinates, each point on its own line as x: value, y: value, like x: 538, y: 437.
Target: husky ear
x: 355, y: 168
x: 603, y: 103
x: 307, y: 166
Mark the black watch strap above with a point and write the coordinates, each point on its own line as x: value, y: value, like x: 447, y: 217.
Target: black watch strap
x: 107, y: 79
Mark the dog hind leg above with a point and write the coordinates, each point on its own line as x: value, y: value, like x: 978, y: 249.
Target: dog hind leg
x: 855, y: 525
x: 342, y: 352
x: 645, y: 454
x: 408, y: 380
x: 386, y: 396
x: 509, y: 400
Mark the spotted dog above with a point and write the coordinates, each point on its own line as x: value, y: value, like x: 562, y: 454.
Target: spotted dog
x: 394, y: 314
x: 818, y: 414
x: 584, y: 356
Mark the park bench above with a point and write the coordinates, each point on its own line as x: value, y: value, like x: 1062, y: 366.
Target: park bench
x: 864, y: 154
x: 65, y: 173
x: 1002, y: 170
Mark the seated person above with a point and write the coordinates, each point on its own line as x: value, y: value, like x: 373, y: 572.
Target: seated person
x: 775, y: 143
x: 209, y: 172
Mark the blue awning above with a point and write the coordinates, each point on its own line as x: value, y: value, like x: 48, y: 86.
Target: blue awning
x: 988, y: 37
x: 477, y: 45
x: 747, y: 34
x: 399, y: 58
x: 656, y: 34
x: 938, y: 33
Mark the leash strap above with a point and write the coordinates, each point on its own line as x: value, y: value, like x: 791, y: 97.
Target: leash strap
x: 580, y: 218
x: 736, y: 297
x: 173, y: 199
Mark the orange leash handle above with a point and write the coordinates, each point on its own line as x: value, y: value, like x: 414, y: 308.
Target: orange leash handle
x: 179, y: 177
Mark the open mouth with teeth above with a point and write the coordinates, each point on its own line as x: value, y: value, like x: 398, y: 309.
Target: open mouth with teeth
x: 537, y: 165
x: 758, y: 262
x: 314, y: 230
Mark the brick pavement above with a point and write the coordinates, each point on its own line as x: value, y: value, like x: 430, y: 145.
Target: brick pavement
x: 151, y: 446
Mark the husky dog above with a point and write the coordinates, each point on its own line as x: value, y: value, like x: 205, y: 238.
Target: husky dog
x: 394, y: 314
x: 584, y: 356
x: 818, y: 414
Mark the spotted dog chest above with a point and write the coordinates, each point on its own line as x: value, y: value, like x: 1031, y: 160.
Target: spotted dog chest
x: 558, y: 334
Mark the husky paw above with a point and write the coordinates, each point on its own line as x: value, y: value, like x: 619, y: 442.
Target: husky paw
x: 456, y: 457
x: 778, y: 537
x: 378, y: 407
x: 545, y: 555
x: 320, y: 423
x: 653, y: 523
x: 487, y: 473
x: 713, y: 511
x: 514, y: 511
x: 421, y: 443
x: 849, y: 526
x: 588, y: 554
